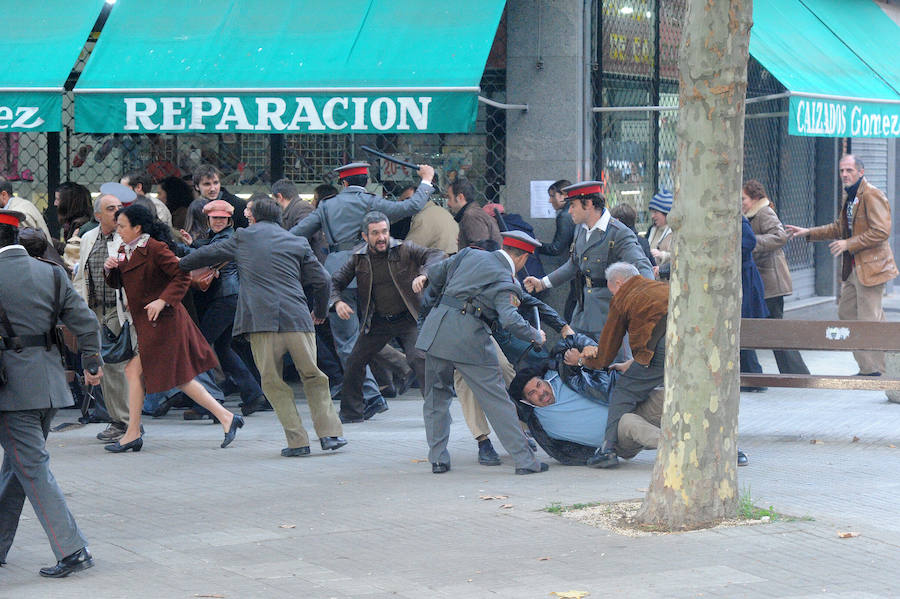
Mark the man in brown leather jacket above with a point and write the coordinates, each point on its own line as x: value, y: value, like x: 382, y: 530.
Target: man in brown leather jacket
x: 389, y: 275
x: 860, y: 235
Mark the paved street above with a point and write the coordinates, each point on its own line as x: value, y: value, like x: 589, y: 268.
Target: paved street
x: 186, y: 519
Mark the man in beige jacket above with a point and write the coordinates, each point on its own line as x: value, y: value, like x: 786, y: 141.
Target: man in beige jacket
x: 860, y: 235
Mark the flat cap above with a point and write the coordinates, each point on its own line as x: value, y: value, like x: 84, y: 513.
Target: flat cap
x: 520, y: 240
x: 354, y: 168
x: 11, y: 217
x: 125, y: 194
x: 218, y: 208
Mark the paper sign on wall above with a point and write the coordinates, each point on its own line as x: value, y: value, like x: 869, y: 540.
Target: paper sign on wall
x: 540, y: 201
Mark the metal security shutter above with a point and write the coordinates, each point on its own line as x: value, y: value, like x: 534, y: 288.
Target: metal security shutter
x: 874, y: 154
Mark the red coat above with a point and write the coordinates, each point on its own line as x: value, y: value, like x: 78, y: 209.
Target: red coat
x: 172, y: 349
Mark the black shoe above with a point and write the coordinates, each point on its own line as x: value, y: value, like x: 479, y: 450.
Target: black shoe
x: 407, y: 382
x: 349, y: 419
x: 332, y: 443
x: 743, y: 460
x: 236, y: 423
x: 603, y: 459
x: 112, y: 433
x: 376, y: 407
x: 254, y: 405
x: 439, y: 467
x: 295, y: 452
x: 486, y: 454
x: 542, y: 467
x: 388, y: 391
x: 78, y: 561
x: 164, y: 406
x: 876, y: 373
x: 117, y: 447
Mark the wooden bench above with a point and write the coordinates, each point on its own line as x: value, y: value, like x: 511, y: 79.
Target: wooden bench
x: 828, y: 335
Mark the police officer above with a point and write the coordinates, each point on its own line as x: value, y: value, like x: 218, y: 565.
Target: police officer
x: 475, y: 288
x: 340, y: 219
x: 600, y: 240
x: 33, y: 295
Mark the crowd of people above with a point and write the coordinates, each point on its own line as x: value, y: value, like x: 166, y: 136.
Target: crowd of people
x: 194, y: 292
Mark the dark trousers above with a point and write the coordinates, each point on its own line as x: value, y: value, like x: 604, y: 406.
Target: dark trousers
x: 26, y: 473
x: 632, y: 387
x: 367, y: 345
x: 789, y: 360
x: 216, y: 325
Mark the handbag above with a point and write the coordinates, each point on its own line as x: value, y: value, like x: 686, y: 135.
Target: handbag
x: 202, y: 278
x: 115, y: 349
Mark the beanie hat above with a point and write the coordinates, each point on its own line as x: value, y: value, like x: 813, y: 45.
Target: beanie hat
x: 661, y: 202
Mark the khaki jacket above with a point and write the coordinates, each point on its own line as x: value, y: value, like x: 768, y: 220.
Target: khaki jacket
x: 434, y: 227
x: 868, y: 247
x: 768, y: 253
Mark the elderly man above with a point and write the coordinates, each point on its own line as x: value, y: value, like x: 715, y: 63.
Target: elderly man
x: 389, y: 276
x: 32, y: 217
x: 861, y: 237
x: 97, y: 245
x: 275, y: 269
x: 35, y: 295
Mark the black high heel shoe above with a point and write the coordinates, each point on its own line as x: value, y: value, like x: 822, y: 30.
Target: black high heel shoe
x: 236, y: 423
x: 117, y: 447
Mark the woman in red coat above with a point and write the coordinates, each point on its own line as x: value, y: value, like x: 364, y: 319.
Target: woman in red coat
x: 172, y: 350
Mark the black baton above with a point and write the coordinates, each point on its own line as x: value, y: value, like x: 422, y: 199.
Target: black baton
x: 390, y: 158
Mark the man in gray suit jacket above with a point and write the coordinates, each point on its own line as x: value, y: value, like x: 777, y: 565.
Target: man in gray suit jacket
x: 340, y: 219
x: 276, y: 270
x: 475, y: 287
x: 31, y: 293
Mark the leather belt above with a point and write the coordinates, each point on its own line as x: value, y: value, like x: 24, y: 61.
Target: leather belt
x: 22, y: 341
x: 391, y: 317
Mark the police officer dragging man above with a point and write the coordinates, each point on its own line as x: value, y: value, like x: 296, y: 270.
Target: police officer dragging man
x: 34, y: 296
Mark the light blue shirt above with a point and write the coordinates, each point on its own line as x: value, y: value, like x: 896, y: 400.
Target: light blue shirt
x: 572, y: 417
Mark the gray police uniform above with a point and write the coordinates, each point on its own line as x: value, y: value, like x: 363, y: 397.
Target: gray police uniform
x: 340, y: 219
x: 480, y: 287
x: 587, y: 265
x: 35, y: 389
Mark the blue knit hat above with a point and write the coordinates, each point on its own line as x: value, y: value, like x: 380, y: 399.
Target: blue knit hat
x: 662, y: 201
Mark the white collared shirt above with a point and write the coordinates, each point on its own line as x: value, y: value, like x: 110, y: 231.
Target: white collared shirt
x: 601, y: 225
x: 512, y: 265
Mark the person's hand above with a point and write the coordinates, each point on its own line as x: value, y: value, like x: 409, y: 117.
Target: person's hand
x: 542, y: 337
x: 426, y: 172
x: 111, y: 263
x: 589, y: 352
x: 621, y: 366
x: 418, y: 283
x: 343, y: 310
x: 566, y: 331
x: 154, y: 308
x: 316, y: 320
x: 93, y: 379
x: 838, y: 247
x: 571, y: 357
x: 656, y: 271
x: 533, y: 285
x: 655, y: 253
x: 186, y: 236
x: 796, y: 231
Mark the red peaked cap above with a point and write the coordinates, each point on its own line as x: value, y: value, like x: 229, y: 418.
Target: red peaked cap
x: 520, y: 240
x: 582, y: 189
x: 354, y: 168
x: 11, y: 217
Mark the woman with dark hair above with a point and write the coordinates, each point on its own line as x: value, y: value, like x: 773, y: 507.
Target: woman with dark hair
x: 195, y: 223
x: 172, y: 350
x: 73, y: 208
x: 177, y: 195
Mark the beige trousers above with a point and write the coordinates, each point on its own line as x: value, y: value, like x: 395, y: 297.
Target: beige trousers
x: 472, y: 412
x: 113, y: 383
x: 640, y: 429
x: 858, y: 302
x: 268, y: 353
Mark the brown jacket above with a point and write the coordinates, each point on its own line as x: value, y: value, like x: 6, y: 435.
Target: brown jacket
x: 434, y: 227
x: 637, y: 308
x: 406, y: 261
x: 768, y: 253
x: 868, y: 248
x: 475, y: 226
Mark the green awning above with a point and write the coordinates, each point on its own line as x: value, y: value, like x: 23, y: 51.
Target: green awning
x: 341, y: 66
x: 41, y: 43
x: 838, y: 60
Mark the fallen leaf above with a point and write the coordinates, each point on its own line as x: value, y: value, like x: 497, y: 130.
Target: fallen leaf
x: 855, y: 439
x: 543, y: 559
x: 570, y: 594
x: 288, y: 526
x: 418, y: 461
x: 641, y: 490
x: 489, y: 497
x: 816, y: 442
x: 847, y: 535
x: 506, y: 506
x: 892, y: 446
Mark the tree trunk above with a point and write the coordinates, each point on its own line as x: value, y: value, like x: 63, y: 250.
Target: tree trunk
x: 694, y: 481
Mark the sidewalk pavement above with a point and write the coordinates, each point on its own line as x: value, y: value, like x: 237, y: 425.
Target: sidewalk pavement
x: 186, y: 519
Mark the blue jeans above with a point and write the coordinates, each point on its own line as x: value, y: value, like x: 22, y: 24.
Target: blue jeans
x: 152, y: 400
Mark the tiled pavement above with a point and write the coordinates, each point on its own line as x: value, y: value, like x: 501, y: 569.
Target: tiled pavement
x: 186, y: 519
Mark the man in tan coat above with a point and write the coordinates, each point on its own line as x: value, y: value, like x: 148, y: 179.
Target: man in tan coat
x: 860, y: 235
